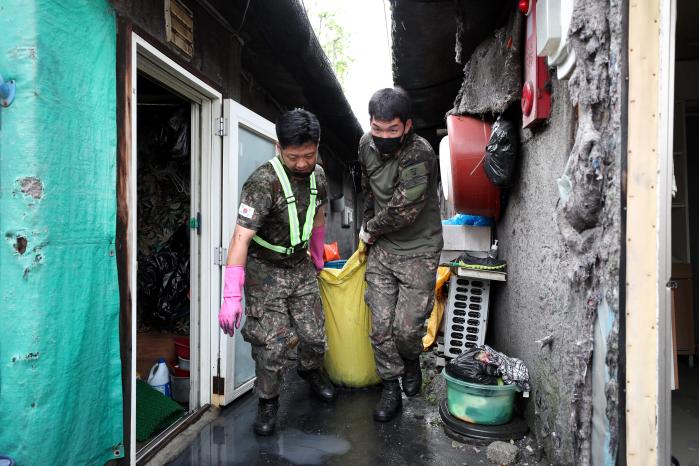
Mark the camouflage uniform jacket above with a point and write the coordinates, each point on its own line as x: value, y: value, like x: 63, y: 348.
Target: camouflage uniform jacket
x: 263, y: 208
x: 402, y: 196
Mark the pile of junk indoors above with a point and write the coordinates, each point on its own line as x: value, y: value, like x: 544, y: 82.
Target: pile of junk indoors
x: 163, y: 236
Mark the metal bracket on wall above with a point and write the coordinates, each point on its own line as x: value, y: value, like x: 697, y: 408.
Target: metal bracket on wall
x: 347, y: 217
x: 221, y: 127
x: 220, y: 256
x: 7, y: 92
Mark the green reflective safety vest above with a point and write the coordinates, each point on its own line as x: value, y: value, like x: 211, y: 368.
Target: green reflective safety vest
x: 296, y: 236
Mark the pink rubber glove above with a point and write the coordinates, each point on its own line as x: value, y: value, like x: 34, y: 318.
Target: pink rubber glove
x: 232, y: 309
x: 316, y: 247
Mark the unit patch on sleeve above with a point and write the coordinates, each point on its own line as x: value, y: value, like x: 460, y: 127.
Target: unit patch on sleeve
x: 246, y: 211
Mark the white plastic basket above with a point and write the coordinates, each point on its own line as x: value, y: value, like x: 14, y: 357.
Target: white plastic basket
x: 467, y: 314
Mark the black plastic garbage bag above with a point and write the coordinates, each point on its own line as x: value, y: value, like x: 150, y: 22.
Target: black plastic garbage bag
x: 471, y: 366
x: 163, y: 282
x: 166, y: 133
x: 501, y: 153
x: 484, y: 365
x: 175, y: 136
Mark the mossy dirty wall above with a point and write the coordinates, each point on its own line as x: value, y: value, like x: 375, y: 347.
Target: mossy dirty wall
x: 60, y: 373
x: 562, y: 301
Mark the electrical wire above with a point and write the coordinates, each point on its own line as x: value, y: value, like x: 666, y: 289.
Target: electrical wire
x: 245, y: 13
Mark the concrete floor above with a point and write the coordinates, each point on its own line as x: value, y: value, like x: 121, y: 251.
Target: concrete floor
x: 685, y: 416
x: 311, y: 432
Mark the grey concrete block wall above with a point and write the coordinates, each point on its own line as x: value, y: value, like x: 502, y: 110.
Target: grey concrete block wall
x: 536, y: 301
x: 564, y: 257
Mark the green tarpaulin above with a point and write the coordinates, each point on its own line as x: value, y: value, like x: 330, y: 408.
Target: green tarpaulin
x: 60, y: 373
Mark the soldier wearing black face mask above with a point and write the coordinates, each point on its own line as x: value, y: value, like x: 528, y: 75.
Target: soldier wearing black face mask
x: 402, y: 223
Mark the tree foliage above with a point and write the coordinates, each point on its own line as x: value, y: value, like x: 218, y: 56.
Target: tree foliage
x: 332, y: 37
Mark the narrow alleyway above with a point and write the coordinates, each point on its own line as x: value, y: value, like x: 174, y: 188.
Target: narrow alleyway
x: 344, y: 433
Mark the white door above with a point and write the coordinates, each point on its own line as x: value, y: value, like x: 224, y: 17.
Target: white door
x: 205, y: 201
x: 248, y: 143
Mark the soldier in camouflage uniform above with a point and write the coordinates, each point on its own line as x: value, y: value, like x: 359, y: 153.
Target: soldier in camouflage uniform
x: 402, y: 223
x: 281, y: 217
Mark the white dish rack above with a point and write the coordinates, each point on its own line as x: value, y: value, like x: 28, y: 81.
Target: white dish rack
x: 466, y: 317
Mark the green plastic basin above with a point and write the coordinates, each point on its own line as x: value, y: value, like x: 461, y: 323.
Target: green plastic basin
x: 489, y: 405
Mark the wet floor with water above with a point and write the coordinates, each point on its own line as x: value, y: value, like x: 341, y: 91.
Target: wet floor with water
x: 311, y: 432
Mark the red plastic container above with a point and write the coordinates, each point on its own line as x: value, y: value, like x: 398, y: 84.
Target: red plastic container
x: 179, y: 372
x: 473, y: 192
x: 182, y: 347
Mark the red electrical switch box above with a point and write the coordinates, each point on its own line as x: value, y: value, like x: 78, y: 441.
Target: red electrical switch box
x: 536, y: 92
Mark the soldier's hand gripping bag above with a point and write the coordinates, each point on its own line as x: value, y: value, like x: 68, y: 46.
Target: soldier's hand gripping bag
x: 501, y: 153
x: 468, y: 367
x: 349, y: 360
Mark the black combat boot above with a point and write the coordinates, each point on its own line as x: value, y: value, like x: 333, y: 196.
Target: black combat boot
x: 390, y: 403
x: 320, y: 384
x: 266, y: 416
x: 412, y: 377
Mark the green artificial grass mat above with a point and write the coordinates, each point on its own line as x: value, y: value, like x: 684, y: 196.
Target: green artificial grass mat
x: 154, y: 411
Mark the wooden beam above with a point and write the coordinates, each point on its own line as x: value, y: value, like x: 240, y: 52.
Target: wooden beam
x: 124, y: 95
x: 648, y: 231
x: 166, y: 50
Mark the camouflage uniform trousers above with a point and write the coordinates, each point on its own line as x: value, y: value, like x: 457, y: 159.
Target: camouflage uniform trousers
x: 400, y: 294
x: 281, y: 302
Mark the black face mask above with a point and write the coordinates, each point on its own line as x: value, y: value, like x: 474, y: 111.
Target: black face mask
x: 388, y: 146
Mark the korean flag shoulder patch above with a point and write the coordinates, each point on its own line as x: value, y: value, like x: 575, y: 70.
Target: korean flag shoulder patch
x: 246, y: 211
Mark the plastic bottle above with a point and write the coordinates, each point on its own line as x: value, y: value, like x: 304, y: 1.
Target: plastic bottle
x: 493, y: 253
x: 159, y: 378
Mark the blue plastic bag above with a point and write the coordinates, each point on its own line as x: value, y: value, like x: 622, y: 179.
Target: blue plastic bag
x: 472, y: 220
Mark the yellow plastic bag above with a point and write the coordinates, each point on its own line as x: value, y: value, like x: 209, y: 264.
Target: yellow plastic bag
x: 440, y: 302
x: 349, y: 360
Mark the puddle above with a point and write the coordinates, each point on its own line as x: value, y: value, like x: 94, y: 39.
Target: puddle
x: 300, y: 448
x: 310, y: 432
x: 230, y: 441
